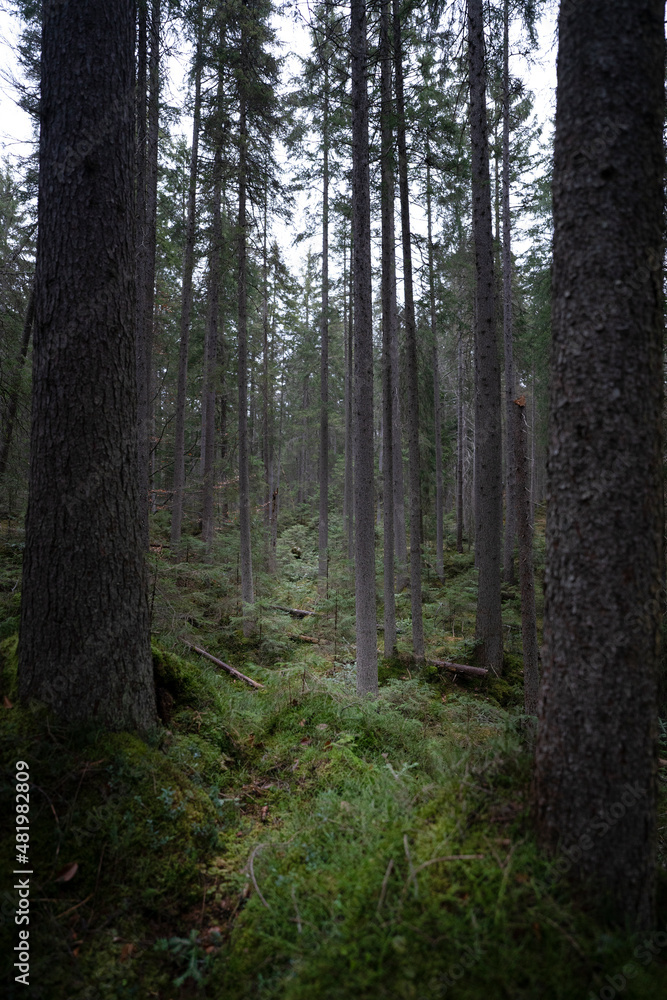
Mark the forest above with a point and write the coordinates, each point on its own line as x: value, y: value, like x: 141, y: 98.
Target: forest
x: 332, y: 521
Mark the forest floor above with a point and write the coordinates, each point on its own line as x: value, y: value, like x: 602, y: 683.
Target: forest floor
x: 295, y: 841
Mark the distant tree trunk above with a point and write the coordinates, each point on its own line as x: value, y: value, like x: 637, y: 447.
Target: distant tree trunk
x: 364, y: 540
x: 488, y: 443
x: 460, y: 445
x: 400, y: 539
x: 266, y: 444
x: 186, y: 310
x: 148, y: 91
x: 323, y: 536
x: 526, y: 574
x: 210, y: 372
x: 411, y: 354
x: 349, y: 416
x: 84, y: 639
x: 247, y: 590
x: 389, y: 330
x: 510, y: 460
x: 596, y: 756
x: 9, y: 416
x: 439, y: 499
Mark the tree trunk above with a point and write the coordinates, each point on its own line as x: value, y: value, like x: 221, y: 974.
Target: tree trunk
x: 323, y: 536
x: 9, y: 416
x: 397, y: 466
x: 439, y: 500
x: 364, y: 540
x: 488, y: 444
x: 596, y: 778
x: 84, y: 646
x: 526, y: 574
x: 349, y: 414
x: 510, y: 460
x: 247, y: 590
x: 411, y: 354
x: 460, y: 442
x: 389, y: 331
x: 186, y: 310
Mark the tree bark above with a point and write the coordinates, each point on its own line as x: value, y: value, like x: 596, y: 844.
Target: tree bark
x: 488, y: 443
x: 364, y: 541
x: 323, y: 535
x: 349, y: 412
x: 9, y: 416
x: 411, y: 354
x: 84, y: 639
x: 526, y: 574
x: 596, y: 757
x: 186, y: 310
x: 510, y: 460
x: 389, y: 331
x: 439, y: 499
x: 247, y: 590
x: 459, y: 445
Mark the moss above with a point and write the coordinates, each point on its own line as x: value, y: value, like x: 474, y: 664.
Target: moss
x: 9, y: 667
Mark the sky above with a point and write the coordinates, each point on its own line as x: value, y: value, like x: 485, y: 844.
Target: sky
x: 15, y: 129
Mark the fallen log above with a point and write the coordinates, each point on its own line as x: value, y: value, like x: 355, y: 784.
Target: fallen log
x: 460, y: 668
x: 220, y: 663
x: 294, y: 612
x: 305, y: 638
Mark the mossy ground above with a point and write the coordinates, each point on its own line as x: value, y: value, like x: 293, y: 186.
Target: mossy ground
x: 297, y: 842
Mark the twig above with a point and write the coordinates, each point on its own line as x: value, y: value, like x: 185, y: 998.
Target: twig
x: 73, y: 908
x: 298, y: 915
x: 251, y: 869
x: 385, y: 882
x: 575, y: 944
x: 219, y: 663
x: 447, y: 857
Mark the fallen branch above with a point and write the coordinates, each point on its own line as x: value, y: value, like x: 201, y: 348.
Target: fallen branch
x: 460, y: 668
x: 305, y: 638
x: 225, y: 666
x: 294, y: 612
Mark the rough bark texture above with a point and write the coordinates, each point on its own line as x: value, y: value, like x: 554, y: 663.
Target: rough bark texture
x: 488, y: 443
x: 186, y: 309
x: 389, y: 330
x: 364, y: 538
x: 84, y: 641
x: 510, y: 461
x: 211, y: 369
x: 9, y: 415
x: 596, y: 751
x: 439, y: 498
x: 410, y: 353
x: 247, y: 590
x: 526, y: 575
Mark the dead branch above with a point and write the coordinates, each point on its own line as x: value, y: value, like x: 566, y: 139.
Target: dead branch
x: 460, y: 668
x: 219, y: 663
x: 294, y: 612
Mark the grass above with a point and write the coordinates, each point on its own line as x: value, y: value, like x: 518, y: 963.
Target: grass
x: 297, y: 841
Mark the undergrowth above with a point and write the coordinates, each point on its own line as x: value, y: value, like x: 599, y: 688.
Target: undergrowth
x: 296, y: 841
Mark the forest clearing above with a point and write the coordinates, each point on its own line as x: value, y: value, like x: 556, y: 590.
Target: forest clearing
x: 332, y: 503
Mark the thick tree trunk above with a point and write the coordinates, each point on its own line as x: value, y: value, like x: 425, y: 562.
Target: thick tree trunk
x: 526, y: 574
x: 84, y: 639
x: 596, y: 777
x: 510, y: 460
x: 247, y: 590
x: 323, y: 536
x: 488, y: 444
x: 411, y: 354
x: 439, y: 499
x: 389, y: 330
x: 364, y: 540
x: 9, y: 416
x: 186, y: 310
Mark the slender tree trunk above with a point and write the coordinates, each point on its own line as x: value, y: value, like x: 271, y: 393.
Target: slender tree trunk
x: 364, y: 541
x: 411, y: 354
x: 84, y: 639
x: 389, y: 327
x: 488, y: 444
x: 510, y: 459
x: 349, y: 415
x: 439, y: 499
x: 247, y: 590
x: 266, y: 456
x: 526, y: 574
x: 596, y: 756
x: 460, y: 444
x: 210, y: 374
x: 397, y: 467
x: 9, y: 416
x: 323, y: 537
x: 186, y: 310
